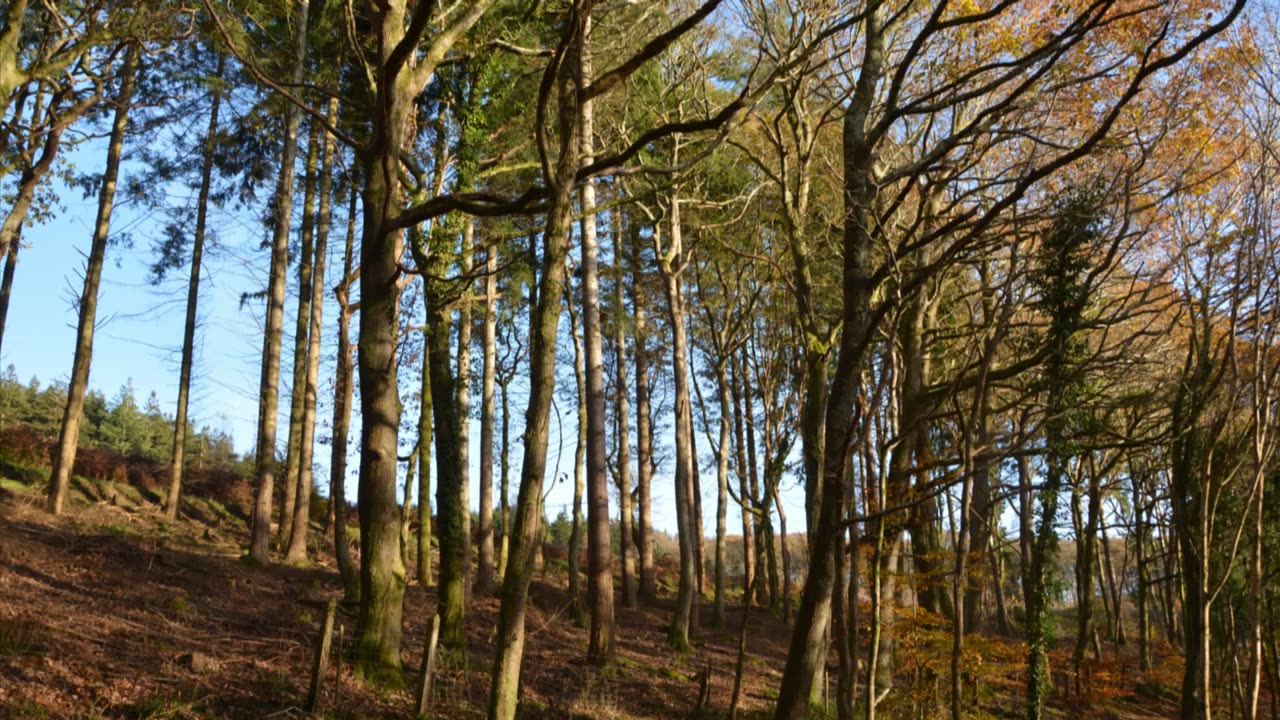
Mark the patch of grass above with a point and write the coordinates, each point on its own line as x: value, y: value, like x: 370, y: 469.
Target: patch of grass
x: 13, y: 485
x: 178, y: 605
x: 20, y: 637
x: 26, y: 710
x: 22, y: 474
x: 117, y: 529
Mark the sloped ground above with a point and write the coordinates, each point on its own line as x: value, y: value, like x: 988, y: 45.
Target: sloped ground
x: 109, y: 613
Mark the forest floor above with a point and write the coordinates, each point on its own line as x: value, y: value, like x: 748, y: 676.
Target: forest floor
x: 107, y: 612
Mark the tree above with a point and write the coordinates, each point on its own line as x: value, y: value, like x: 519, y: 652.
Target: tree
x: 69, y: 435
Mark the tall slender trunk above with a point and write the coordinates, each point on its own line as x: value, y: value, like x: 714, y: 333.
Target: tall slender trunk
x: 744, y: 490
x: 450, y: 492
x: 623, y: 430
x: 695, y: 509
x: 600, y: 647
x: 425, y: 410
x: 807, y: 649
x: 543, y: 324
x: 786, y: 556
x: 504, y: 469
x: 485, y: 562
x: 1143, y: 584
x: 669, y: 262
x: 722, y: 490
x: 1086, y: 570
x: 297, y: 551
x: 69, y: 435
x: 761, y: 520
x: 644, y: 431
x: 302, y: 324
x: 269, y: 386
x: 464, y: 402
x: 343, y: 388
x: 193, y: 297
x: 579, y: 464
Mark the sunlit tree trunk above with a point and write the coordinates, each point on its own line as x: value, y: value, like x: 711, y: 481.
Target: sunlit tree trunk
x: 623, y: 439
x: 297, y: 551
x: 807, y: 649
x: 464, y: 401
x: 544, y: 324
x: 176, y: 466
x: 644, y: 431
x: 269, y: 387
x: 600, y: 647
x: 342, y: 395
x: 485, y: 561
x: 579, y: 464
x: 424, y: 466
x: 64, y: 456
x: 670, y: 260
x: 302, y: 323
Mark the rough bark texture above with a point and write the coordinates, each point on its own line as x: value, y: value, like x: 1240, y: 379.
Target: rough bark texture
x: 64, y: 456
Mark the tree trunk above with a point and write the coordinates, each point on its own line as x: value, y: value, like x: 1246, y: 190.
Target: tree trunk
x: 450, y: 492
x: 302, y: 323
x: 504, y: 467
x: 69, y: 436
x: 424, y: 464
x: 600, y: 647
x: 464, y: 403
x: 6, y: 283
x: 543, y: 325
x: 644, y: 431
x: 342, y: 393
x: 579, y: 465
x: 297, y: 551
x: 807, y: 649
x: 269, y: 387
x: 623, y: 426
x: 744, y: 489
x: 484, y: 572
x: 193, y: 297
x: 722, y: 491
x: 686, y: 526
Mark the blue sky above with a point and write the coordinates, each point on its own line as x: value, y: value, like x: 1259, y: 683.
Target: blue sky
x: 140, y: 331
